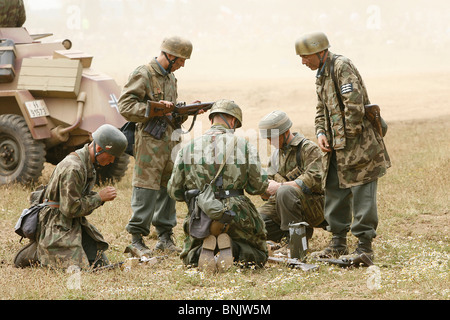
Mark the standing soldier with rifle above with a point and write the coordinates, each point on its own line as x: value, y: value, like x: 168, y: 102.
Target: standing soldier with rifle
x: 153, y: 144
x: 354, y: 152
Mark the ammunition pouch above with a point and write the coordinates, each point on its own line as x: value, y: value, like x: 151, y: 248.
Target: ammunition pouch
x: 156, y: 127
x: 279, y: 178
x: 293, y: 174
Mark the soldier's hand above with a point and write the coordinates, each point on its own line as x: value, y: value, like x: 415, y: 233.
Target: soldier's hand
x: 323, y: 143
x: 108, y: 194
x: 167, y: 104
x: 273, y: 187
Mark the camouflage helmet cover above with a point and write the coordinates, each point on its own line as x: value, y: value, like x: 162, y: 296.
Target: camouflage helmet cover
x: 311, y: 43
x: 228, y: 107
x: 110, y: 139
x: 274, y: 124
x: 177, y: 46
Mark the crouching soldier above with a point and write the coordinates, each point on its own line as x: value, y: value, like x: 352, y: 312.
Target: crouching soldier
x: 295, y: 175
x: 64, y: 236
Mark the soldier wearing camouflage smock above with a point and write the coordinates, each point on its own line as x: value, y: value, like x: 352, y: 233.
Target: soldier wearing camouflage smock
x: 197, y: 164
x: 295, y: 179
x: 354, y: 153
x: 153, y: 164
x: 64, y: 236
x: 12, y: 13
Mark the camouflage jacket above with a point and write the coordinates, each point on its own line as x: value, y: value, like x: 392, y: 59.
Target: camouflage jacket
x: 60, y: 229
x: 309, y: 176
x: 12, y: 13
x: 197, y: 164
x: 153, y: 163
x: 360, y: 152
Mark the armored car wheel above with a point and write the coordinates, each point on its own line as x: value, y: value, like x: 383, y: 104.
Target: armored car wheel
x: 21, y: 157
x: 115, y: 171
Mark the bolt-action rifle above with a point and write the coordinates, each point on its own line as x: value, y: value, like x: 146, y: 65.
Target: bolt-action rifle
x: 162, y: 115
x: 159, y: 109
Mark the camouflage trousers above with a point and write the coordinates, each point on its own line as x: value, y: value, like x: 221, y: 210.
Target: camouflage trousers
x: 288, y: 205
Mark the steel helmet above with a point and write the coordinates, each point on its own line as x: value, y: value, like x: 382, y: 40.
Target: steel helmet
x: 228, y: 107
x: 311, y: 43
x: 110, y: 139
x: 274, y: 124
x: 177, y: 46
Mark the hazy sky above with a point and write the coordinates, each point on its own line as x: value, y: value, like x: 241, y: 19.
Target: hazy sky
x: 249, y: 38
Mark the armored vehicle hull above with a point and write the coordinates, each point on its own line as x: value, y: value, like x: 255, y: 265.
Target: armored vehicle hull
x: 51, y: 100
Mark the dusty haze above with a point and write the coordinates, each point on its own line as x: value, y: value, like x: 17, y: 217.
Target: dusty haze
x: 244, y: 50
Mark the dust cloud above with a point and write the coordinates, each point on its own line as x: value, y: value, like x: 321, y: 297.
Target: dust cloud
x: 244, y: 49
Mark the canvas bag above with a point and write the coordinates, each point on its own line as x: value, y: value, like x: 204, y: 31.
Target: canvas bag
x: 207, y: 200
x: 27, y: 224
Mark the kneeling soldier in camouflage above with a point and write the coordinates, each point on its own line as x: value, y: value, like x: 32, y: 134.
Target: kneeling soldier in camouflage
x: 295, y: 174
x: 64, y: 236
x: 196, y: 165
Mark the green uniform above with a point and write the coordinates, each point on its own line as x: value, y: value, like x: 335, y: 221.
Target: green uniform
x: 65, y: 237
x: 291, y: 204
x: 197, y: 164
x: 359, y: 155
x: 12, y: 13
x: 153, y: 163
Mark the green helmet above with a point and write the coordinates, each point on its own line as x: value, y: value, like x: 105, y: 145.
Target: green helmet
x: 177, y: 46
x: 311, y: 43
x: 274, y: 124
x: 110, y: 139
x: 227, y: 107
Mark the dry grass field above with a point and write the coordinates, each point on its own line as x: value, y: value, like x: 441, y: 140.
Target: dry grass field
x: 412, y: 247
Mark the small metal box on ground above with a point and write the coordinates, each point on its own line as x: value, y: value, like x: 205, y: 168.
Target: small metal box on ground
x: 298, y: 241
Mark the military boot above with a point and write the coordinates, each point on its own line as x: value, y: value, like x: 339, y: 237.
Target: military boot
x: 225, y: 258
x: 137, y: 248
x: 27, y: 256
x: 206, y: 260
x: 167, y: 243
x: 363, y: 247
x: 336, y: 248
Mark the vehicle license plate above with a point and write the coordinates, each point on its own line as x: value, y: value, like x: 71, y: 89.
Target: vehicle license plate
x: 37, y: 108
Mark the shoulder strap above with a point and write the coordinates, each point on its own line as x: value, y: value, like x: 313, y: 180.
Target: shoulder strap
x: 298, y: 156
x: 333, y: 76
x: 223, y: 163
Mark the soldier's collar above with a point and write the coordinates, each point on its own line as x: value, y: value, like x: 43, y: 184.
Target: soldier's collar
x: 325, y: 70
x: 160, y: 68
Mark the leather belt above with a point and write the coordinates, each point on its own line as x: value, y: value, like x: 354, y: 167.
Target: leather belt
x: 222, y: 194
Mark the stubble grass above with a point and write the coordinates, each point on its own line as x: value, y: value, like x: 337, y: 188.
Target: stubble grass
x: 412, y: 246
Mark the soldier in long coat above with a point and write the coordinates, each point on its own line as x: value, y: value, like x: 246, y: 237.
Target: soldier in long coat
x: 197, y: 164
x: 355, y: 155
